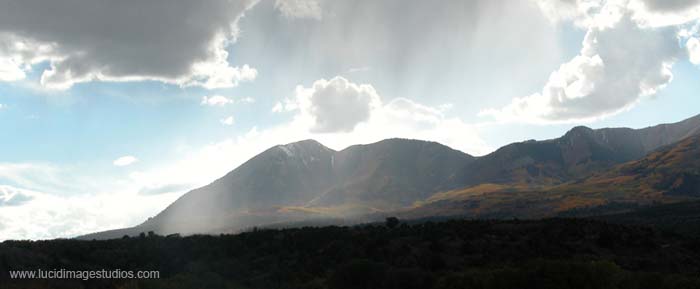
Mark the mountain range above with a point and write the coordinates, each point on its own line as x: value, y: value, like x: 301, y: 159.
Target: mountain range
x: 584, y: 169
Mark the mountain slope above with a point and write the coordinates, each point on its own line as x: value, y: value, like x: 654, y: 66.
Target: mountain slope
x: 669, y: 174
x: 298, y: 181
x: 301, y: 180
x: 673, y: 170
x: 391, y: 173
x: 579, y: 153
x: 665, y: 134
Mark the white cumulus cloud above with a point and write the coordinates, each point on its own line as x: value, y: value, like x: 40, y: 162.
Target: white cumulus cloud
x: 622, y: 60
x: 125, y: 161
x: 339, y: 113
x: 336, y: 105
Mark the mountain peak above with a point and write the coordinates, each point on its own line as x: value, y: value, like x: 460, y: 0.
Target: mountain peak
x: 404, y: 140
x: 578, y: 130
x: 308, y: 145
x: 307, y: 142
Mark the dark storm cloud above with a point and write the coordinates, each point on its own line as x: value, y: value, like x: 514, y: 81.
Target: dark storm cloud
x: 113, y: 39
x: 670, y: 5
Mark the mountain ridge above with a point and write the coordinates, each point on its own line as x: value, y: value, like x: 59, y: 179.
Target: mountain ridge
x: 578, y: 153
x: 670, y: 174
x: 306, y: 179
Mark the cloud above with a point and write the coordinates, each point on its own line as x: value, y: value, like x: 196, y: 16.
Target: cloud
x: 414, y: 49
x: 673, y: 6
x: 578, y: 11
x: 46, y: 178
x: 670, y: 5
x: 125, y: 161
x: 17, y: 54
x: 693, y: 46
x: 220, y: 100
x: 300, y: 9
x: 410, y: 110
x: 215, y: 100
x: 336, y: 105
x: 227, y: 121
x: 359, y: 69
x: 45, y: 216
x: 10, y: 70
x: 44, y: 201
x: 164, y: 189
x: 285, y: 105
x: 620, y: 62
x: 397, y: 118
x: 656, y: 13
x: 247, y: 99
x: 645, y: 13
x: 179, y: 42
x: 358, y: 114
x: 10, y: 196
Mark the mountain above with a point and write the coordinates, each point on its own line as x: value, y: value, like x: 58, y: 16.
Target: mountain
x: 391, y: 173
x: 672, y: 170
x: 670, y: 174
x: 579, y: 153
x: 306, y: 180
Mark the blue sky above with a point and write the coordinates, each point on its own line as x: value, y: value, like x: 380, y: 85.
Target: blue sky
x: 99, y: 136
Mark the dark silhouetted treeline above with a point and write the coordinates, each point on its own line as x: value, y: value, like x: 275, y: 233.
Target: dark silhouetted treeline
x: 555, y: 253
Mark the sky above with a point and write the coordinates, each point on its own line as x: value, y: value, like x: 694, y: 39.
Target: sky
x: 110, y: 110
